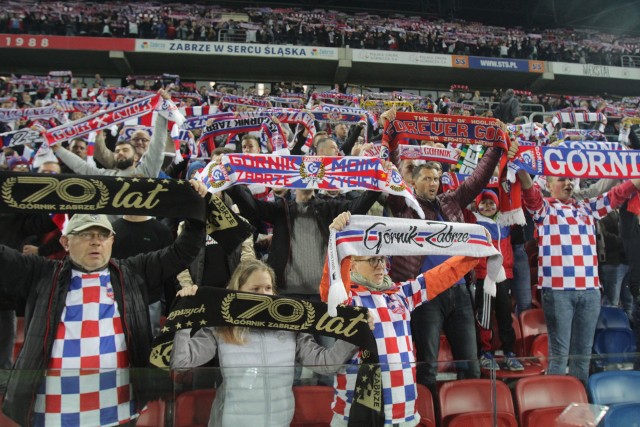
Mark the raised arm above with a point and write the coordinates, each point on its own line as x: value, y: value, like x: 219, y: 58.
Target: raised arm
x: 192, y: 351
x: 101, y: 153
x: 76, y: 164
x: 531, y: 195
x: 323, y: 361
x: 155, y: 156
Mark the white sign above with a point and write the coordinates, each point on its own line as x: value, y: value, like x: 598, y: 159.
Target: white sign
x: 236, y: 49
x: 406, y: 58
x: 592, y: 70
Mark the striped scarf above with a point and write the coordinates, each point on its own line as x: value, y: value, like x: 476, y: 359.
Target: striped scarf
x: 371, y: 235
x: 425, y: 152
x: 306, y: 172
x: 464, y: 130
x: 577, y: 162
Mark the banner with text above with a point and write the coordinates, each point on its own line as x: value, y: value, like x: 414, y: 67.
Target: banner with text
x: 592, y: 70
x: 579, y: 163
x: 499, y: 64
x: 236, y: 49
x: 404, y: 58
x: 28, y: 41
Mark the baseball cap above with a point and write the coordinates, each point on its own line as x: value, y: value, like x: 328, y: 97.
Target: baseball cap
x: 81, y: 222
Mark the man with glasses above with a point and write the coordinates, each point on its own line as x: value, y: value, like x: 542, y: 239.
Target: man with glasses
x: 391, y: 305
x: 89, y: 324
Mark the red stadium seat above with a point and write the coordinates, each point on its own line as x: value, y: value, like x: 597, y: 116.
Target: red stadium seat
x: 445, y: 356
x: 540, y: 349
x: 530, y: 367
x: 533, y: 324
x: 468, y: 403
x: 192, y: 408
x: 153, y: 416
x: 313, y: 406
x: 496, y: 344
x: 541, y: 399
x: 424, y: 405
x: 483, y: 419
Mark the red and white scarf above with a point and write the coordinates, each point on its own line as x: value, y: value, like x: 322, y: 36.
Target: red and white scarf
x: 426, y: 152
x: 576, y: 117
x: 372, y: 235
x: 465, y: 130
x: 306, y: 172
x: 98, y: 121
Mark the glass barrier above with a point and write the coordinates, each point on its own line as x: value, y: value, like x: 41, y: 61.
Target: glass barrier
x: 266, y: 396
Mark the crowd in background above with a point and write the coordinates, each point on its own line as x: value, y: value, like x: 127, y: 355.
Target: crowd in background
x: 297, y: 222
x: 315, y: 28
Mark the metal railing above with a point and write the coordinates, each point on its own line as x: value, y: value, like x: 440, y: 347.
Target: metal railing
x: 483, y: 106
x: 631, y: 61
x: 235, y: 35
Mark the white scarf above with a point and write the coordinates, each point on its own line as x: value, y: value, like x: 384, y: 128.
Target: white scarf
x: 374, y: 235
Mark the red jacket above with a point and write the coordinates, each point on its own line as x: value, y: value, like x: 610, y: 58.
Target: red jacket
x: 501, y: 239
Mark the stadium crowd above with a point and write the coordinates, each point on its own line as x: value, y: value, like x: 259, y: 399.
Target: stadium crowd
x: 311, y: 28
x: 577, y: 231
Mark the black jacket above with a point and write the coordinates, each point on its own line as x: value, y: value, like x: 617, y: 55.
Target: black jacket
x: 44, y: 283
x: 15, y: 230
x: 281, y: 214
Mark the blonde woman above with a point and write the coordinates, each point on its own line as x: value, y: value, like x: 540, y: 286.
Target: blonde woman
x: 257, y: 365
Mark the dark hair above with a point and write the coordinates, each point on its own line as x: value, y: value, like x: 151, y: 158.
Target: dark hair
x: 125, y: 141
x: 80, y: 139
x: 429, y: 165
x: 221, y: 150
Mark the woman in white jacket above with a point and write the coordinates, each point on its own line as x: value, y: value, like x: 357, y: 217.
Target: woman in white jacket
x: 257, y: 365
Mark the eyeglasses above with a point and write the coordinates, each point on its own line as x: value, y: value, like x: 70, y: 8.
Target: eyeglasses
x: 90, y: 235
x: 373, y: 261
x: 140, y: 138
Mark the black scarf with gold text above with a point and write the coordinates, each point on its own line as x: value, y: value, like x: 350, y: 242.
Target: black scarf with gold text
x: 222, y: 307
x: 26, y: 192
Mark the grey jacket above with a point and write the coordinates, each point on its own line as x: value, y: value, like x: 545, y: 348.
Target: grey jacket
x: 257, y: 375
x: 150, y: 166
